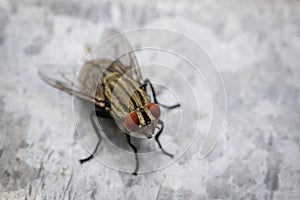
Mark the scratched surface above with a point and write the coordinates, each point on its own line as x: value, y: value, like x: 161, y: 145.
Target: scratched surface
x: 256, y: 45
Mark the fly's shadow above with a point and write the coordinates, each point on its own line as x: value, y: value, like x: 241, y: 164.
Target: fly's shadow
x: 116, y: 136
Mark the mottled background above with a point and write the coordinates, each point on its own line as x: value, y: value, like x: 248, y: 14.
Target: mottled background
x: 255, y: 44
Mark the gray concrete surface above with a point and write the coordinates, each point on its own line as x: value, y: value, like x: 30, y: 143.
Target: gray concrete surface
x: 255, y: 44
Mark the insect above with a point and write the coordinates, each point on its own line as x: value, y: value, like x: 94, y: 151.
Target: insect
x: 118, y: 91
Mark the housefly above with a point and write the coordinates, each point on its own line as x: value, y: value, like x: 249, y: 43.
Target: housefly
x: 118, y: 91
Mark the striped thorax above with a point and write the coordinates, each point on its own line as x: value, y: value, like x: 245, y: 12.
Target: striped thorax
x: 130, y: 103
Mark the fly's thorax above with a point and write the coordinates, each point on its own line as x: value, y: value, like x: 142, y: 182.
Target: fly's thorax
x: 130, y: 104
x: 123, y: 94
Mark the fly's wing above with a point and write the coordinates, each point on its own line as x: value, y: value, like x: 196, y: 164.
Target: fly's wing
x: 64, y: 78
x: 115, y: 47
x: 113, y: 55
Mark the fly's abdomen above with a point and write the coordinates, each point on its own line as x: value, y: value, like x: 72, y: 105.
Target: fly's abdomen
x: 123, y: 94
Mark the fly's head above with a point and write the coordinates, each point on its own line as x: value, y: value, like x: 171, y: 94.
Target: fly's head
x: 143, y: 119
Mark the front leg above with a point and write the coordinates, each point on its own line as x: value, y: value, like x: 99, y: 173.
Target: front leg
x: 161, y: 123
x: 148, y: 82
x: 93, y: 114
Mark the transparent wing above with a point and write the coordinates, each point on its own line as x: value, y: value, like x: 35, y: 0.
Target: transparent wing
x: 114, y: 54
x: 84, y: 86
x: 116, y: 48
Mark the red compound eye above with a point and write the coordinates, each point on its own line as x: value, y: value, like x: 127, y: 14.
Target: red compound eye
x: 132, y: 122
x: 154, y: 109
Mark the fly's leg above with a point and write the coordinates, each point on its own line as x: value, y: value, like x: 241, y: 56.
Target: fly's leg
x: 93, y: 114
x: 161, y: 123
x: 146, y: 82
x: 127, y: 137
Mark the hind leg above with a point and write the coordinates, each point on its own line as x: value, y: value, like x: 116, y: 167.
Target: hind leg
x: 92, y: 118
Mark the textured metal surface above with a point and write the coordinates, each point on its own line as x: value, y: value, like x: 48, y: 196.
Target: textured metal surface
x: 255, y: 44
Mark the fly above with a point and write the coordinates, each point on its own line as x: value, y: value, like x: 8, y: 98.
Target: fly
x: 121, y: 93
